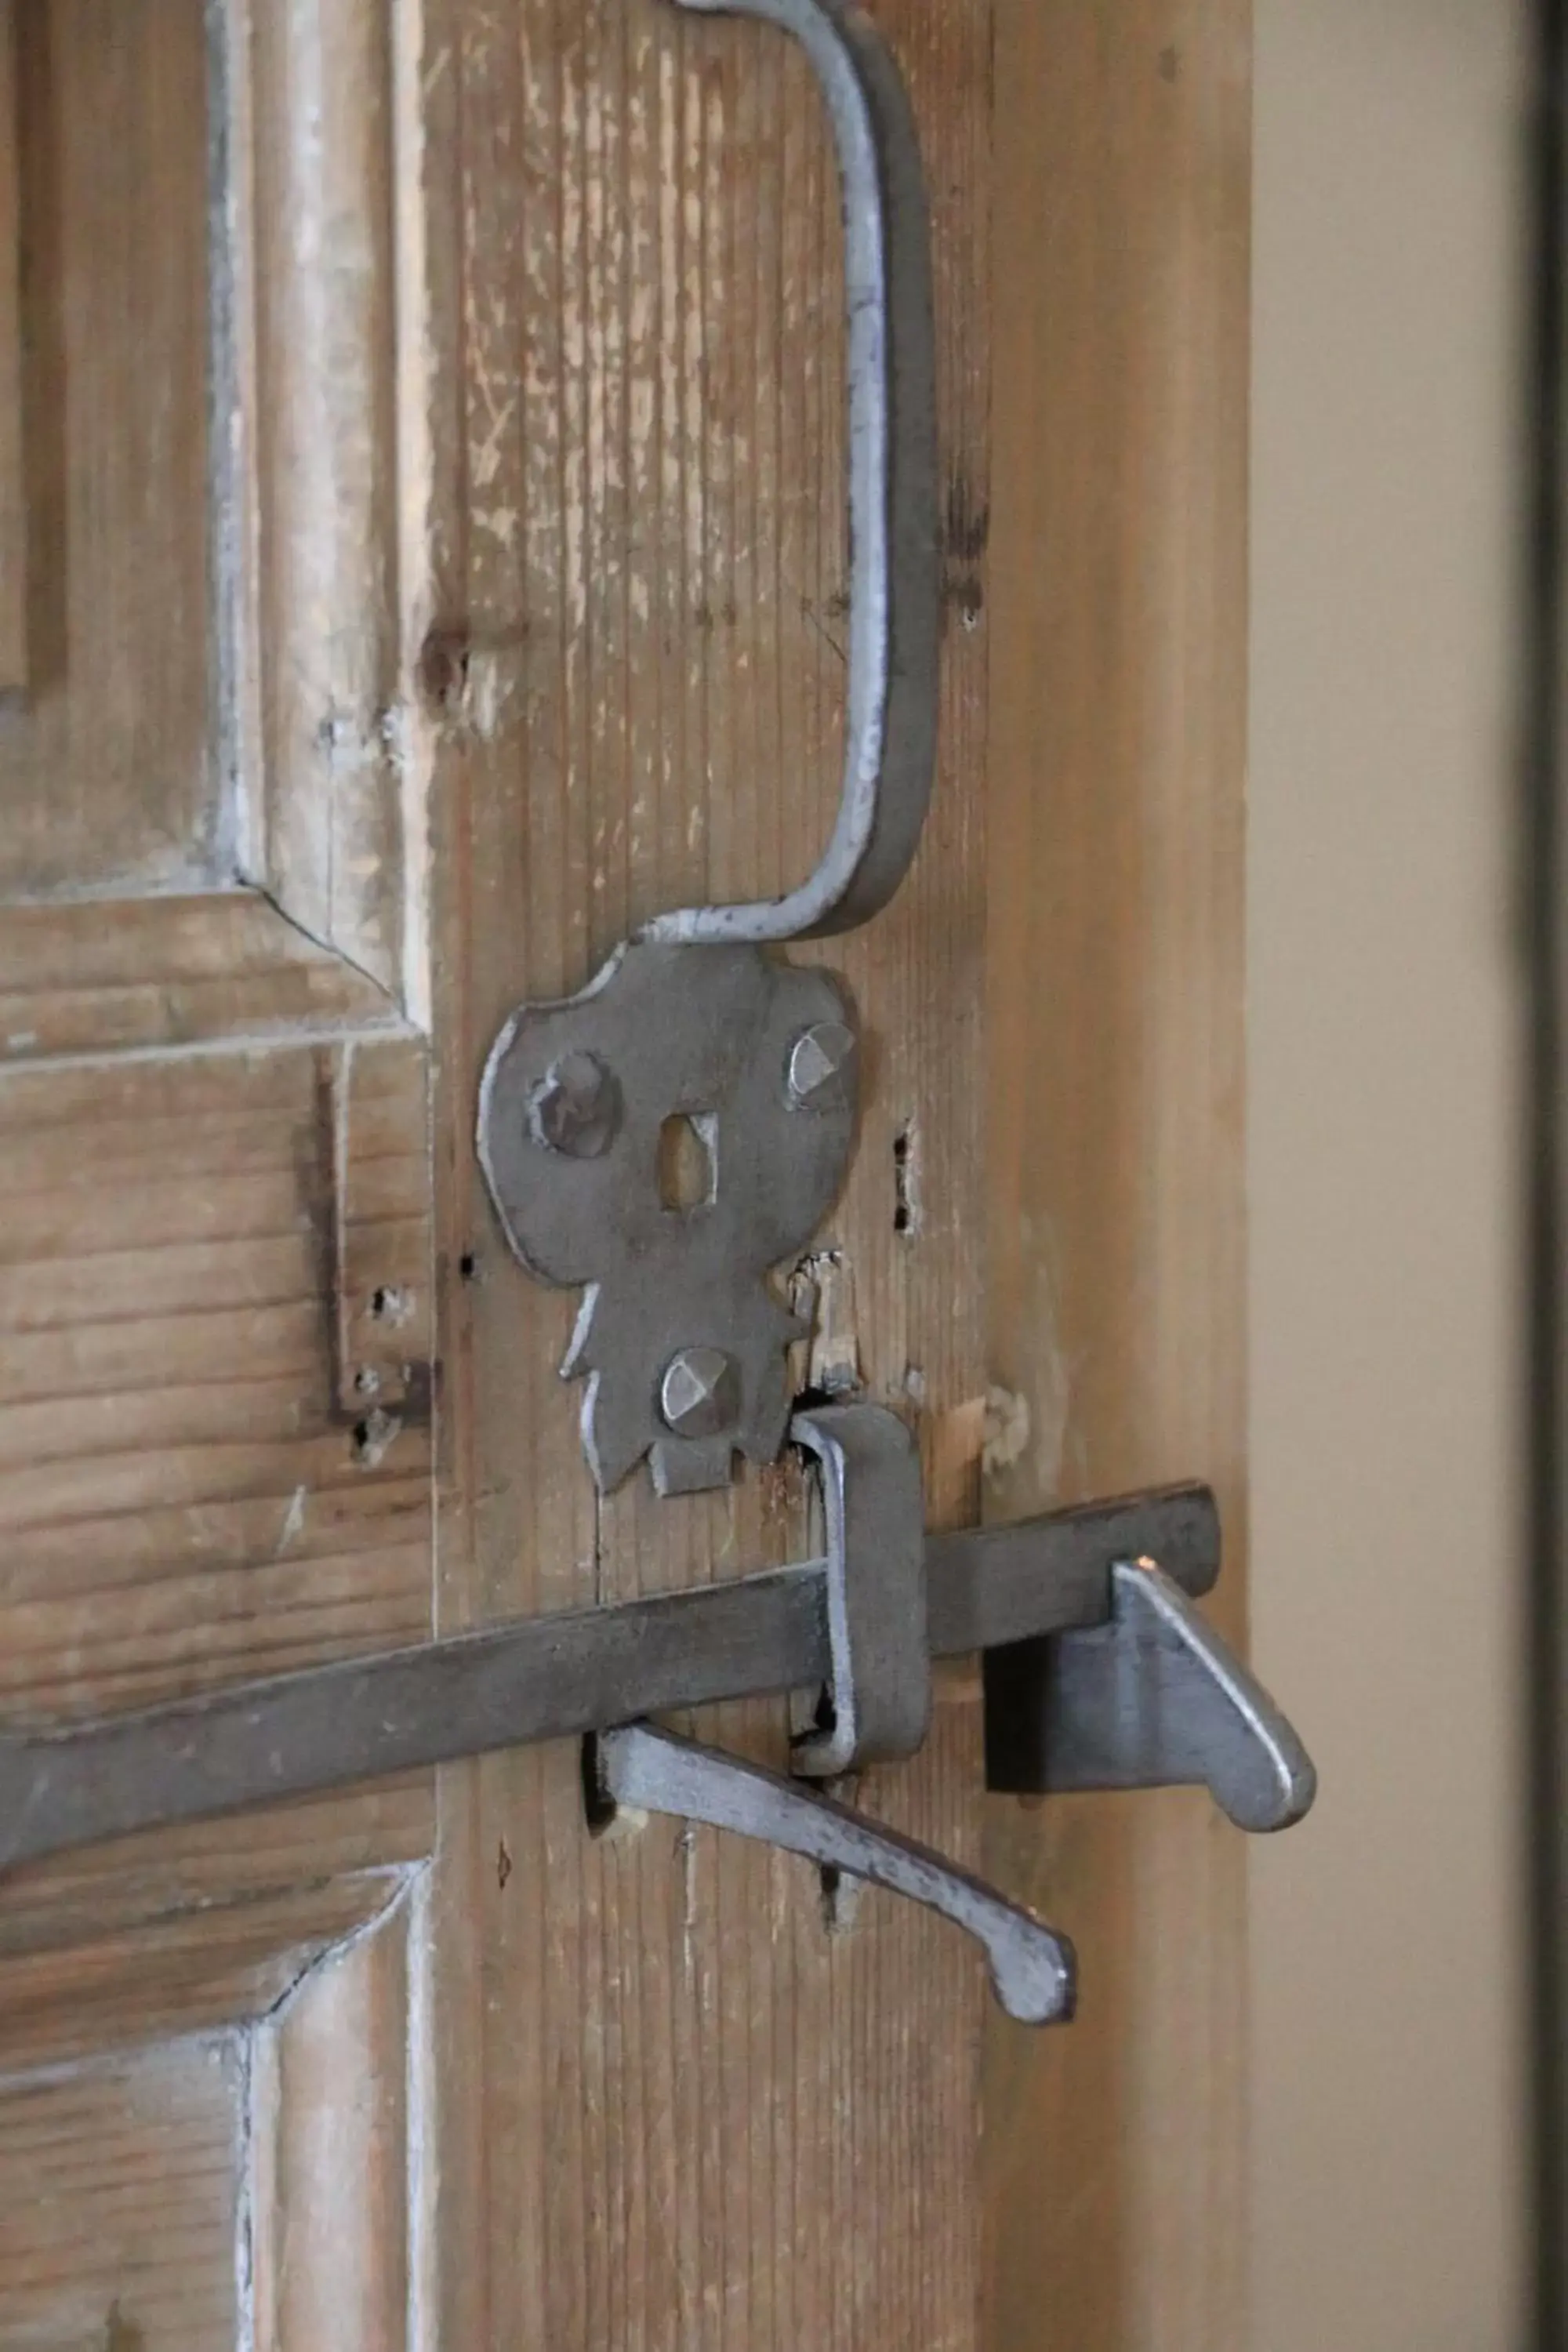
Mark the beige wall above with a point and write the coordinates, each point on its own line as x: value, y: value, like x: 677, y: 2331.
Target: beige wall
x: 1386, y: 2157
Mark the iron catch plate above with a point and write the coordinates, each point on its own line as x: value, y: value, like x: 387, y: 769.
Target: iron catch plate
x: 707, y: 1037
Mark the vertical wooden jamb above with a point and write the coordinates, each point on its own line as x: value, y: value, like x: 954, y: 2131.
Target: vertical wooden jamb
x: 325, y: 443
x: 675, y: 2112
x: 1116, y: 2205
x: 12, y: 479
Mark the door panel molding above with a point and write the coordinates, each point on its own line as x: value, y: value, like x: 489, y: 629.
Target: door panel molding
x: 319, y: 740
x: 12, y: 483
x: 243, y: 1487
x: 334, y: 2141
x: 216, y: 1367
x: 269, y: 300
x: 86, y: 979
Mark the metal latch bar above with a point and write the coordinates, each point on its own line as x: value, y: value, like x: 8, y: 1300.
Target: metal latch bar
x: 556, y: 1676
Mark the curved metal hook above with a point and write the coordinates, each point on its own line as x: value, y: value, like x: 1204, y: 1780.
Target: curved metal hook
x: 891, y: 729
x: 1153, y: 1698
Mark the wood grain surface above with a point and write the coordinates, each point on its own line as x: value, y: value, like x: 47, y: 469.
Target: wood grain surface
x: 214, y: 1444
x: 761, y: 2132
x: 1115, y: 2180
x: 12, y: 440
x: 81, y: 978
x: 217, y: 1376
x: 535, y: 524
x: 332, y: 2170
x: 316, y: 677
x: 106, y: 774
x: 119, y: 2203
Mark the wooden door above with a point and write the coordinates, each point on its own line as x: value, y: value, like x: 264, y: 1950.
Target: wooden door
x: 422, y: 556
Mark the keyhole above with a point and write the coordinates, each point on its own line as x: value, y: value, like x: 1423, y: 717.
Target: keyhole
x: 688, y: 1161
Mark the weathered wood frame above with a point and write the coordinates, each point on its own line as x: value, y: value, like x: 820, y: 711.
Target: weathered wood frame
x: 261, y: 1031
x: 315, y: 918
x: 630, y: 2138
x: 13, y: 500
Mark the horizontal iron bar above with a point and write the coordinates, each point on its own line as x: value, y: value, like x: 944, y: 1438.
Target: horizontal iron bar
x: 323, y: 1727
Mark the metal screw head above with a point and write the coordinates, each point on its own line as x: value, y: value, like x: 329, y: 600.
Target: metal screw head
x: 700, y: 1395
x: 822, y: 1067
x: 575, y: 1109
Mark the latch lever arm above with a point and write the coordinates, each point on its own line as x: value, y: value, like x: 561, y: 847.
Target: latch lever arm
x: 1032, y: 1966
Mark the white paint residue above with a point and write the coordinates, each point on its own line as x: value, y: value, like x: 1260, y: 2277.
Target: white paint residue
x: 293, y: 1522
x: 686, y: 1849
x: 485, y: 690
x: 1034, y: 1434
x: 1006, y: 1437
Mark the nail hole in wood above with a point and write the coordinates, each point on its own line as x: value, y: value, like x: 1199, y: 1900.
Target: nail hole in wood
x: 907, y: 1181
x: 373, y: 1438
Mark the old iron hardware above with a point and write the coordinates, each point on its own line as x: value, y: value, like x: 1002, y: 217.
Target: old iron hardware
x: 1032, y: 1969
x: 680, y: 1339
x: 682, y: 1342
x: 1149, y: 1699
x: 1191, y: 1712
x: 879, y: 1681
x: 701, y: 1033
x: 557, y: 1677
x: 1146, y: 1696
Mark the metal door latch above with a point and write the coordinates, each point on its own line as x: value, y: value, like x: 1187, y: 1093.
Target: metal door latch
x: 1145, y: 1697
x: 691, y: 1021
x: 682, y: 1341
x: 1101, y: 1673
x: 1140, y: 1693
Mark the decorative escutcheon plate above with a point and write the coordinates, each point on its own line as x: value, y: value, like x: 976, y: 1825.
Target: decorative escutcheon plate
x: 680, y: 1336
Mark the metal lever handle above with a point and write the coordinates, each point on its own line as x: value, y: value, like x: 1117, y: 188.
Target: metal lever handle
x: 1032, y: 1968
x: 894, y: 592
x: 1150, y: 1699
